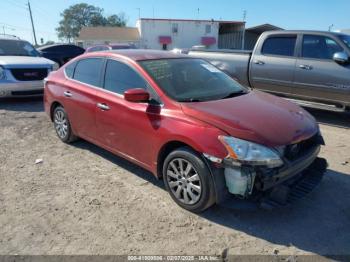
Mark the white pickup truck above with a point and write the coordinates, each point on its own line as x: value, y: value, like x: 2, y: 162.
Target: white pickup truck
x: 22, y: 70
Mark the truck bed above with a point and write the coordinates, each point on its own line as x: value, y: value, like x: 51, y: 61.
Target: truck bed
x: 233, y: 62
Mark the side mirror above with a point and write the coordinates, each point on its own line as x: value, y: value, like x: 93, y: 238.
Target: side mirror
x: 341, y: 58
x: 136, y: 95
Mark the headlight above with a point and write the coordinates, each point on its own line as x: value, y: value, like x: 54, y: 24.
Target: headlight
x: 245, y: 152
x: 2, y: 73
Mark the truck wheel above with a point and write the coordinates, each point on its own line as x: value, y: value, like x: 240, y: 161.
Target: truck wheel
x: 62, y: 125
x: 188, y: 180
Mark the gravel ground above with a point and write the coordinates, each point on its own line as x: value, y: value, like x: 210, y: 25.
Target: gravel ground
x: 83, y: 200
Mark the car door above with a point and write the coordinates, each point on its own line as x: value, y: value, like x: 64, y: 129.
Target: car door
x: 317, y: 75
x: 125, y: 127
x: 80, y: 95
x: 273, y: 64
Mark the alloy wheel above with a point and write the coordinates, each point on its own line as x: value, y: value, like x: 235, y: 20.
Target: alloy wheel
x: 61, y: 124
x: 184, y: 181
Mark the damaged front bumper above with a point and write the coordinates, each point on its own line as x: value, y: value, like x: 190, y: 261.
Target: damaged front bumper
x: 266, y: 187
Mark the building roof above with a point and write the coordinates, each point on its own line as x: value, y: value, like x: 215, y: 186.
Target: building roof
x: 192, y: 20
x: 262, y: 28
x: 140, y: 54
x: 109, y: 33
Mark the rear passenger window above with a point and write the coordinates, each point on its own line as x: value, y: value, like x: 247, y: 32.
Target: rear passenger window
x: 69, y: 70
x: 120, y: 77
x: 88, y: 71
x: 282, y: 45
x: 319, y: 47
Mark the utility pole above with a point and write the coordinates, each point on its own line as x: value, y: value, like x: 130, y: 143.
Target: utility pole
x: 31, y: 19
x: 243, y: 33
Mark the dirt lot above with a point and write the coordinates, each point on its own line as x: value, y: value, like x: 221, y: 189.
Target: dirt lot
x: 83, y: 200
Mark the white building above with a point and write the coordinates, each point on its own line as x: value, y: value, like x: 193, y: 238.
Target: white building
x: 167, y: 34
x: 345, y: 31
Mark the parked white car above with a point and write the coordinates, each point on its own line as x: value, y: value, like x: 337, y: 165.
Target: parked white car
x: 22, y: 70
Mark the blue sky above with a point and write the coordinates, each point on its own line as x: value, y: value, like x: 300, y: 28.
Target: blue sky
x: 297, y: 14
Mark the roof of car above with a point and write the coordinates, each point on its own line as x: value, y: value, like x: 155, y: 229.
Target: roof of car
x: 48, y: 46
x: 303, y: 32
x: 9, y: 37
x: 145, y: 54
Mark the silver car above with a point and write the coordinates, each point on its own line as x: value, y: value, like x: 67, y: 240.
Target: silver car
x: 22, y: 70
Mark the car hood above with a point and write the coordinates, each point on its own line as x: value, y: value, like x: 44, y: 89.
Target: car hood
x: 25, y: 62
x: 257, y: 117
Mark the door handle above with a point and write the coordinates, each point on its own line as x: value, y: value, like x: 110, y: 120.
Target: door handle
x: 258, y: 62
x: 103, y: 106
x: 306, y: 67
x: 67, y: 94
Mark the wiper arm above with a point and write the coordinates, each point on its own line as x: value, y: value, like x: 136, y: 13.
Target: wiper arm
x: 234, y: 94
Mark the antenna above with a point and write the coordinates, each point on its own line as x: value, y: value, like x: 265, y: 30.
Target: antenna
x: 139, y: 12
x: 244, y: 15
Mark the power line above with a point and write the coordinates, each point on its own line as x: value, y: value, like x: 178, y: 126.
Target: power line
x: 17, y: 4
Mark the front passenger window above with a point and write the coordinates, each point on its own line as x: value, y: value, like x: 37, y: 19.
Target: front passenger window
x: 319, y: 47
x: 120, y: 77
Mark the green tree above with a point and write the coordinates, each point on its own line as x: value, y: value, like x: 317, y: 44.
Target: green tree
x: 80, y: 15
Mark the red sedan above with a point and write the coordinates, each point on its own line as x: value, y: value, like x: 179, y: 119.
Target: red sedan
x: 181, y: 118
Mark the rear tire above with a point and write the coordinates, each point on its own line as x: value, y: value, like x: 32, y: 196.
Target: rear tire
x: 62, y: 125
x: 188, y: 180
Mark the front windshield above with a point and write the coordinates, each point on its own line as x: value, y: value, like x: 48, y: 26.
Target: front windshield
x: 17, y: 48
x: 345, y: 39
x: 191, y: 80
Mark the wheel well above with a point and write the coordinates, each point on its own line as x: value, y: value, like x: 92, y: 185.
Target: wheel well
x: 53, y: 106
x: 165, y: 151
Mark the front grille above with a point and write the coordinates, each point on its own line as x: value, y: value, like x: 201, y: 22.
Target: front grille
x: 295, y: 151
x: 27, y: 93
x: 29, y: 74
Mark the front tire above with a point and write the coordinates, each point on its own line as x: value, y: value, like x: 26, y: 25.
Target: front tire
x: 62, y: 125
x: 188, y: 180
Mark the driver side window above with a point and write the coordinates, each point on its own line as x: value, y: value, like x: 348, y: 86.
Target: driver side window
x: 119, y: 77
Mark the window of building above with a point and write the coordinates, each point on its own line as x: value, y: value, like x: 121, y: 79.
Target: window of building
x: 208, y: 29
x: 279, y: 45
x: 175, y: 28
x: 119, y: 77
x: 88, y: 71
x: 319, y: 47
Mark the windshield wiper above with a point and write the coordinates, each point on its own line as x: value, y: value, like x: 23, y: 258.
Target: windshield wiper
x: 190, y: 100
x: 234, y: 94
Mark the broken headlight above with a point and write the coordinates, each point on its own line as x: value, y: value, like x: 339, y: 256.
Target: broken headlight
x: 249, y: 153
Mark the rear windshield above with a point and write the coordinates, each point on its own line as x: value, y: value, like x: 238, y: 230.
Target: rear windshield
x: 17, y: 48
x: 191, y: 80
